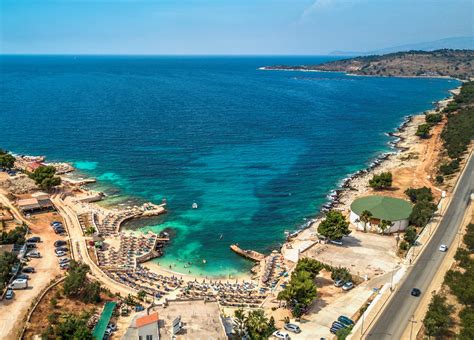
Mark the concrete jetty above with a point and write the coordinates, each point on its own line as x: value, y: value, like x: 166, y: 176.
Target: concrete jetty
x: 248, y: 254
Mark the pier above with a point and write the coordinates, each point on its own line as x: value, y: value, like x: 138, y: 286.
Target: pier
x: 248, y: 254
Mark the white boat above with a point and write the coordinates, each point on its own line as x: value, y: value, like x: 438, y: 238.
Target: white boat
x: 195, y: 205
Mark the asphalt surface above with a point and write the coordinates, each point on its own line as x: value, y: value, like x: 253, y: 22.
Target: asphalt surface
x: 396, y: 316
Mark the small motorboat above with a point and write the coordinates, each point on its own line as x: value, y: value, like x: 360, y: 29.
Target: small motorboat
x: 195, y: 205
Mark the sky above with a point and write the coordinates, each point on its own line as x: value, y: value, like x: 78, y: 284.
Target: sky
x: 226, y: 27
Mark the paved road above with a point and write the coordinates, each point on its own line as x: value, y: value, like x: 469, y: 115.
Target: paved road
x: 395, y: 317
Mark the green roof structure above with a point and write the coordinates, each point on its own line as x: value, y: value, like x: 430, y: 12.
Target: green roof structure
x: 383, y: 207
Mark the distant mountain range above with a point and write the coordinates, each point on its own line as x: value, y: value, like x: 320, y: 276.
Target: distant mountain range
x: 457, y: 43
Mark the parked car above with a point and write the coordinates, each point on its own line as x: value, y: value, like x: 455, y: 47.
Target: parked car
x: 443, y: 248
x: 33, y: 239
x: 9, y: 294
x: 348, y: 286
x: 23, y: 276
x: 19, y: 284
x: 28, y: 270
x: 345, y: 320
x: 34, y: 253
x: 336, y: 242
x: 60, y: 254
x: 112, y: 327
x: 30, y: 245
x: 65, y: 249
x: 64, y: 260
x: 339, y: 283
x: 292, y: 328
x: 415, y: 292
x: 59, y: 243
x: 281, y: 335
x: 338, y: 325
x: 55, y: 223
x: 64, y: 265
x: 333, y: 330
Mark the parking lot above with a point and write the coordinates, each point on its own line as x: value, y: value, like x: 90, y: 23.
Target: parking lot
x: 46, y: 268
x: 362, y: 253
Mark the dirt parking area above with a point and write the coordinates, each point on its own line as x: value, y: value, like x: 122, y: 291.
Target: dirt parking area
x: 47, y: 268
x: 362, y: 253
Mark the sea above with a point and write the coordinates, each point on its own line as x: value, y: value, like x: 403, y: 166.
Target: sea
x: 257, y: 151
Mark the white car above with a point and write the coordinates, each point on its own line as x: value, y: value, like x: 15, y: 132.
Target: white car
x: 443, y: 248
x: 34, y: 253
x: 281, y: 335
x: 60, y: 254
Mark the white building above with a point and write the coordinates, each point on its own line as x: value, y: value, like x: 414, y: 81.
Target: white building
x: 394, y: 210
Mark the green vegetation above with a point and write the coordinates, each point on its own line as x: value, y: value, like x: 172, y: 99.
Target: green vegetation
x: 7, y: 261
x: 423, y: 130
x: 343, y: 333
x: 461, y: 284
x: 423, y: 209
x: 300, y: 292
x: 450, y: 168
x: 254, y: 325
x: 335, y: 226
x: 433, y: 118
x: 410, y: 235
x: 381, y: 181
x: 420, y: 194
x: 6, y: 160
x: 68, y: 326
x: 439, y: 179
x: 15, y: 236
x: 438, y: 319
x: 459, y: 129
x: 384, y: 225
x: 44, y: 177
x: 340, y: 273
x: 77, y: 284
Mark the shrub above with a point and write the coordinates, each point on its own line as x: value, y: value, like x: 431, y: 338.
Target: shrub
x: 340, y: 273
x: 433, y: 118
x: 423, y: 131
x: 420, y: 194
x: 410, y: 235
x: 450, y: 168
x: 422, y: 213
x: 438, y: 319
x: 404, y: 245
x: 439, y: 179
x: 381, y: 181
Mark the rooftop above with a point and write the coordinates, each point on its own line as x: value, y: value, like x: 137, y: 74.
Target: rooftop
x: 147, y: 319
x: 383, y: 207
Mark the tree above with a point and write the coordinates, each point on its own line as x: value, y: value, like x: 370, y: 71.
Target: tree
x: 258, y: 325
x: 7, y: 261
x: 310, y: 265
x: 340, y: 273
x: 240, y: 323
x: 365, y: 217
x: 77, y: 285
x: 335, y: 226
x: 468, y: 238
x: 467, y: 324
x: 423, y: 131
x: 6, y: 160
x: 439, y: 179
x: 15, y: 236
x: 384, y: 225
x: 90, y: 231
x: 420, y: 194
x: 422, y: 213
x: 343, y: 333
x: 141, y: 294
x: 44, y: 177
x: 438, y: 319
x: 300, y: 292
x: 410, y: 235
x: 68, y: 326
x: 433, y: 118
x: 381, y: 181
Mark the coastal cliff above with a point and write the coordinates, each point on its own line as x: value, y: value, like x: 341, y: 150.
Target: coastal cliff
x: 440, y: 63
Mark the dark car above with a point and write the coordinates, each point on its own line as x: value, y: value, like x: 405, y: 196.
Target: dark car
x: 23, y: 276
x: 60, y: 243
x: 415, y: 292
x: 33, y: 239
x: 28, y: 270
x: 345, y: 320
x: 30, y: 245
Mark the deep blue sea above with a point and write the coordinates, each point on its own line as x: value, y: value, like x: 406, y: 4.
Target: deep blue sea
x: 258, y: 151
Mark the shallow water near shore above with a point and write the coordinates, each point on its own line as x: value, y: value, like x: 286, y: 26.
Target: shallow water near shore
x: 258, y: 151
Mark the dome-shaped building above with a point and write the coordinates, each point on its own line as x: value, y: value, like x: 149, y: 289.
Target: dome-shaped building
x: 395, y: 210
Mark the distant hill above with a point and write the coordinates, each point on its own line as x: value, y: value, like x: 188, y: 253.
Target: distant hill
x: 440, y: 63
x: 456, y: 43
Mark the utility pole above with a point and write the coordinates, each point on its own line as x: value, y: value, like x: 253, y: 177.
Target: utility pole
x: 412, y: 321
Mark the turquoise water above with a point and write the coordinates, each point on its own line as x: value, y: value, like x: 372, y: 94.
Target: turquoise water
x: 258, y: 151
